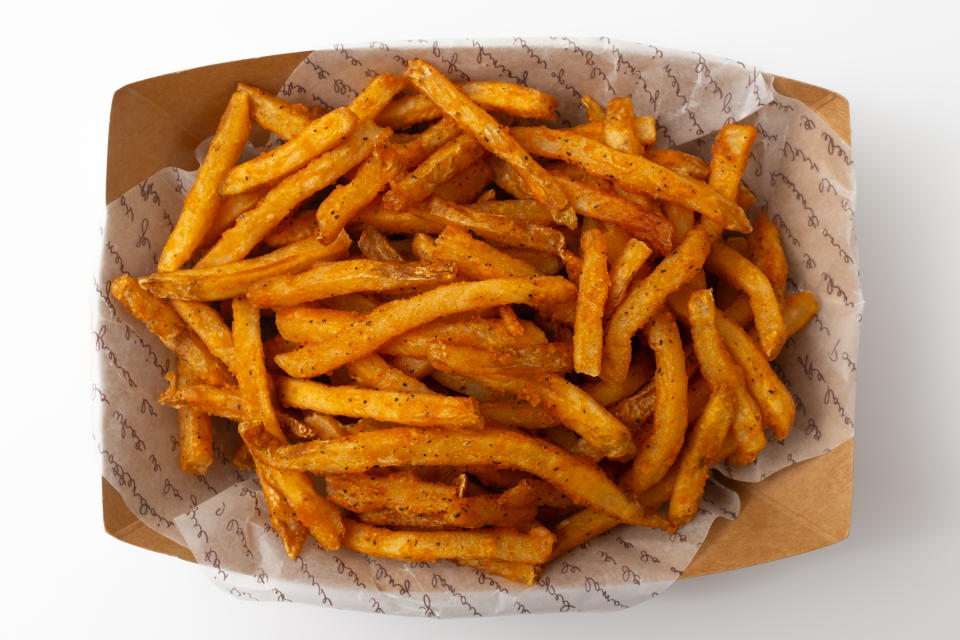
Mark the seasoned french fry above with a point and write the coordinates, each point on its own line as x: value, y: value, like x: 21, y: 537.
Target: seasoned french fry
x: 417, y: 409
x: 346, y: 200
x: 646, y: 297
x: 204, y: 398
x: 373, y: 372
x: 207, y: 323
x: 195, y: 430
x: 442, y: 165
x: 767, y: 253
x: 203, y: 200
x: 328, y: 279
x: 594, y: 284
x: 231, y: 208
x: 467, y: 185
x: 495, y: 228
x: 294, y: 228
x: 609, y: 393
x: 376, y: 96
x: 162, y: 320
x: 414, y: 151
x: 321, y: 517
x: 798, y: 309
x: 523, y: 573
x: 494, y: 137
x: 286, y: 119
x: 633, y: 173
x: 291, y: 532
x: 595, y: 110
x: 256, y: 394
x: 237, y: 241
x: 622, y: 271
x: 318, y: 136
x: 680, y: 162
x: 517, y: 413
x: 397, y: 222
x: 619, y: 129
x: 476, y: 259
x: 234, y: 279
x: 376, y: 246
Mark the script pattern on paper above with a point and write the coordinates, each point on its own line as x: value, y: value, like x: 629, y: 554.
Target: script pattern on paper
x: 802, y: 174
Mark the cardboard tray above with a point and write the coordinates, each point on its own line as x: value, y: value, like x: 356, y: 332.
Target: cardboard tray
x: 158, y: 122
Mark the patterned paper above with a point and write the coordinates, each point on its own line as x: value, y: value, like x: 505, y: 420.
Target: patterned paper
x: 802, y: 174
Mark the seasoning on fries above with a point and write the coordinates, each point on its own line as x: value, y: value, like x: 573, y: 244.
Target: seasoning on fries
x: 470, y: 331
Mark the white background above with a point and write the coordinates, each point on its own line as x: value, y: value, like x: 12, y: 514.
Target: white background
x: 897, y: 572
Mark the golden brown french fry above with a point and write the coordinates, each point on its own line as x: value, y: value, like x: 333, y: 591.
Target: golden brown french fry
x: 418, y: 368
x: 680, y: 162
x: 363, y: 492
x: 376, y: 246
x: 256, y: 394
x: 505, y: 97
x: 286, y: 119
x: 231, y: 208
x: 610, y: 393
x: 397, y: 222
x: 718, y: 368
x: 237, y: 241
x: 700, y: 451
x: 580, y: 480
x: 665, y: 440
x: 521, y: 572
x: 517, y: 413
x: 532, y: 547
x: 195, y: 430
x: 328, y: 279
x: 798, y: 309
x: 292, y: 533
x: 204, y: 398
x: 742, y: 274
x: 581, y: 527
x: 766, y: 252
x: 646, y: 128
x: 594, y: 284
x: 633, y: 173
x: 622, y: 271
x: 414, y: 151
x: 476, y: 259
x: 373, y: 372
x: 467, y: 185
x: 399, y: 316
x: 162, y: 320
x: 647, y: 224
x: 494, y: 137
x: 417, y: 409
x: 302, y: 225
x: 646, y: 297
x: 493, y: 227
x: 442, y: 165
x: 376, y: 96
x: 510, y: 320
x: 619, y: 129
x: 346, y: 200
x: 321, y: 517
x: 208, y: 324
x: 234, y: 279
x: 595, y: 110
x: 203, y: 200
x: 318, y: 136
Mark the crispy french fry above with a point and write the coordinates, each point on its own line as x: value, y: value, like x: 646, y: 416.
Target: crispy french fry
x: 622, y: 271
x: 286, y: 119
x: 476, y: 259
x: 376, y: 246
x: 195, y: 431
x: 237, y: 241
x: 162, y: 320
x: 523, y: 573
x: 414, y: 151
x: 633, y: 173
x: 699, y: 452
x: 399, y: 316
x: 595, y: 110
x: 318, y: 136
x: 609, y: 393
x: 292, y: 533
x: 442, y: 165
x: 467, y: 185
x: 417, y: 409
x: 234, y: 279
x: 203, y: 200
x: 648, y: 224
x: 495, y: 228
x: 208, y: 324
x: 418, y: 368
x: 204, y: 398
x: 397, y: 222
x: 373, y: 372
x: 581, y: 527
x: 376, y: 96
x: 321, y: 517
x: 517, y: 413
x: 798, y: 309
x: 665, y: 440
x: 231, y: 208
x: 256, y: 394
x: 767, y: 253
x: 646, y: 128
x: 302, y: 225
x: 328, y: 279
x: 680, y: 162
x: 594, y: 284
x: 619, y: 129
x: 646, y: 297
x: 346, y: 200
x: 364, y: 492
x: 494, y: 137
x: 582, y: 481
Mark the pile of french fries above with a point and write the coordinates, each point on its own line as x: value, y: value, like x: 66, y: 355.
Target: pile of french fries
x: 446, y: 331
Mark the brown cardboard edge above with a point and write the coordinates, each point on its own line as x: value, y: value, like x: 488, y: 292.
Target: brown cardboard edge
x: 792, y: 522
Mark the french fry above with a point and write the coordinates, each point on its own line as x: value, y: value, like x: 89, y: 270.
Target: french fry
x: 399, y: 316
x: 505, y: 97
x: 517, y: 413
x: 680, y: 162
x: 318, y: 136
x: 523, y: 573
x: 766, y: 252
x: 648, y: 225
x: 376, y: 96
x: 527, y: 210
x: 256, y: 394
x: 622, y: 271
x: 328, y: 279
x: 286, y: 119
x: 346, y: 200
x: 532, y: 547
x: 195, y: 431
x: 699, y: 452
x: 467, y: 185
x: 798, y: 309
x: 476, y: 259
x: 414, y: 151
x: 301, y: 225
x: 442, y: 165
x: 237, y: 241
x: 633, y: 173
x: 324, y: 427
x: 619, y: 129
x: 321, y: 517
x: 581, y: 527
x: 416, y: 409
x: 231, y: 208
x: 364, y: 492
x: 376, y: 246
x: 204, y: 398
x: 397, y: 222
x: 609, y: 393
x: 207, y: 323
x: 292, y: 533
x: 415, y: 367
x: 680, y: 217
x: 646, y: 128
x: 579, y: 479
x: 495, y: 228
x: 719, y: 370
x: 665, y: 440
x: 594, y: 284
x: 162, y: 320
x: 494, y: 137
x: 203, y: 200
x: 646, y: 297
x: 373, y: 372
x: 510, y: 320
x: 234, y: 279
x: 595, y: 110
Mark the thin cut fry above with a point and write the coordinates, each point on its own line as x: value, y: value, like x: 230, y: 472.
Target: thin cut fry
x: 373, y: 372
x: 443, y: 164
x: 376, y: 246
x: 286, y: 119
x: 495, y: 228
x: 195, y: 431
x: 376, y: 95
x: 231, y: 208
x: 766, y: 252
x: 619, y: 130
x: 467, y: 185
x: 318, y: 136
x: 318, y: 515
x: 255, y: 387
x: 223, y: 402
x: 203, y: 200
x: 292, y: 533
x: 622, y: 271
x: 208, y: 324
x: 594, y: 284
x: 595, y: 110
